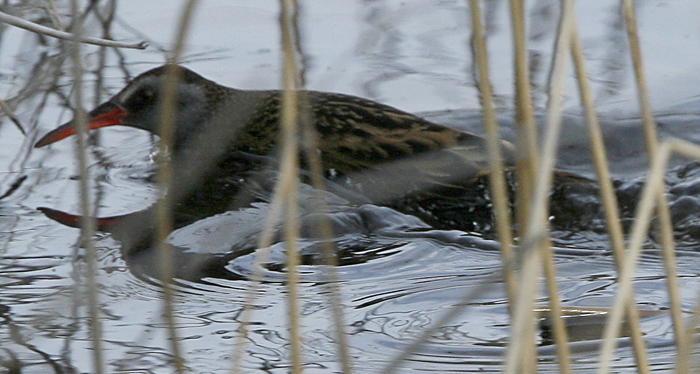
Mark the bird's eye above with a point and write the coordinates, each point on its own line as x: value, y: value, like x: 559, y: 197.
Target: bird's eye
x: 141, y: 99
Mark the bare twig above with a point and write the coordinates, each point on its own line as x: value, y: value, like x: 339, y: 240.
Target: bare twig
x: 11, y: 115
x: 52, y: 12
x: 39, y: 29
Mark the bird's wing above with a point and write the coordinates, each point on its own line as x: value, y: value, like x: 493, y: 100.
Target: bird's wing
x: 377, y: 145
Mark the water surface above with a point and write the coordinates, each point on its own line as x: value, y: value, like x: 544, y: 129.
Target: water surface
x: 396, y: 274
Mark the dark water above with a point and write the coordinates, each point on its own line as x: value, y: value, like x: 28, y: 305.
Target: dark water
x: 397, y: 274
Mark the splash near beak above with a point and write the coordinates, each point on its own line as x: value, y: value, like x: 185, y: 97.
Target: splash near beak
x: 104, y: 115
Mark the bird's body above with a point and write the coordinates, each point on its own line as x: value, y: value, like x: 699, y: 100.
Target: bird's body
x: 382, y: 152
x: 226, y: 140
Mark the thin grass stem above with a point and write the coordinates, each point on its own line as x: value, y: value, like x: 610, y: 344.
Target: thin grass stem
x: 526, y: 142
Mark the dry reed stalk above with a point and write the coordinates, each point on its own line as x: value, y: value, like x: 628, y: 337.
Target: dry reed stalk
x: 283, y: 196
x: 526, y: 143
x: 310, y: 145
x: 690, y: 329
x: 289, y: 122
x: 265, y: 240
x: 325, y: 234
x: 499, y: 192
x: 286, y: 191
x: 284, y: 200
x: 664, y: 217
x: 164, y: 176
x: 561, y: 336
x: 607, y: 192
x: 654, y: 183
x: 465, y: 300
x: 522, y: 337
x: 87, y: 219
x: 500, y: 199
x: 497, y: 185
x: 520, y: 352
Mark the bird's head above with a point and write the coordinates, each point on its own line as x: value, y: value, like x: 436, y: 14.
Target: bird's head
x: 138, y: 105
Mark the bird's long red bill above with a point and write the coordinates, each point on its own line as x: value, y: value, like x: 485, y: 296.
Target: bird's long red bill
x: 104, y: 115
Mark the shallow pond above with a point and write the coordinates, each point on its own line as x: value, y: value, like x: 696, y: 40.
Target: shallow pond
x: 397, y: 275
